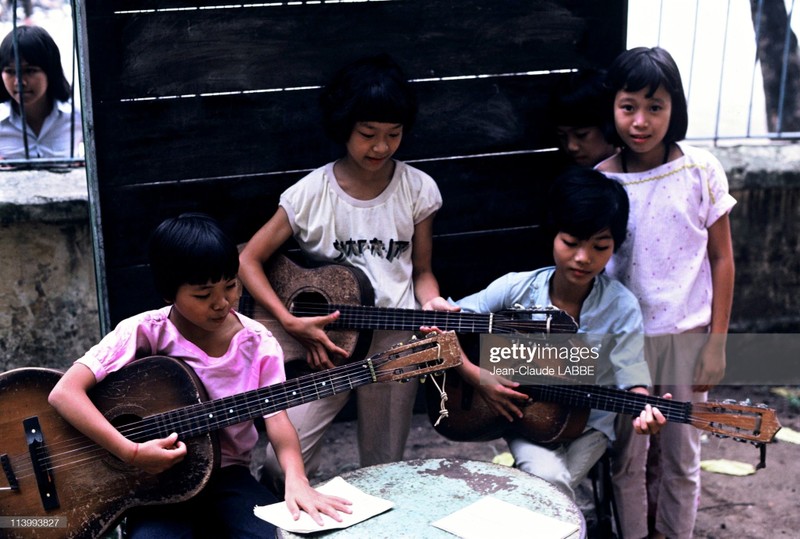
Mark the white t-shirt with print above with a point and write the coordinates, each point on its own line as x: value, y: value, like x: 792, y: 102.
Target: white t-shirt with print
x: 373, y: 235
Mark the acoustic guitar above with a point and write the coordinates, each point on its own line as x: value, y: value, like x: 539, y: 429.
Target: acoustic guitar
x: 319, y: 291
x: 558, y: 413
x: 58, y: 483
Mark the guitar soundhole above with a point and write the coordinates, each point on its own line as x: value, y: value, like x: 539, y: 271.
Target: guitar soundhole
x: 307, y: 303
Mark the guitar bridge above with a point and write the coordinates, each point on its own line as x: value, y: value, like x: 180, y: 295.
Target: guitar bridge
x: 41, y: 463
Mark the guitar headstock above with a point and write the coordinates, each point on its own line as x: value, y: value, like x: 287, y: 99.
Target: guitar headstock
x: 435, y: 352
x: 741, y: 421
x: 536, y: 320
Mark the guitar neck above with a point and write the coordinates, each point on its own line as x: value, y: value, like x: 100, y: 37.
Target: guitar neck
x: 364, y: 317
x: 205, y: 417
x: 358, y: 317
x: 611, y: 400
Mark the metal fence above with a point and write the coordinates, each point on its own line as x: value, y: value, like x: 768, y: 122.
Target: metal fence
x: 55, y: 16
x: 713, y: 42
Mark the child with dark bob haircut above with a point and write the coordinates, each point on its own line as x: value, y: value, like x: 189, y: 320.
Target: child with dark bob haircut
x: 678, y: 262
x: 195, y: 265
x: 587, y: 214
x: 580, y: 207
x: 373, y: 88
x: 53, y: 128
x: 369, y: 211
x: 579, y: 113
x: 182, y: 254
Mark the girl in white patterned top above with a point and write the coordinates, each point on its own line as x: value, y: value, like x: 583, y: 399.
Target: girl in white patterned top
x: 678, y: 261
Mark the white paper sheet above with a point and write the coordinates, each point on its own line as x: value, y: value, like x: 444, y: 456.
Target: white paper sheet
x: 491, y: 517
x: 364, y: 507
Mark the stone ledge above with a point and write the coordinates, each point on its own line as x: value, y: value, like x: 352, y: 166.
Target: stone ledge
x: 776, y: 165
x: 43, y: 196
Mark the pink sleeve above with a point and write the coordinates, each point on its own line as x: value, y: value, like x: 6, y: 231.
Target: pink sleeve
x: 116, y: 349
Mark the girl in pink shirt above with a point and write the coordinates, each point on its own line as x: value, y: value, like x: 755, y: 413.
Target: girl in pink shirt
x: 195, y: 269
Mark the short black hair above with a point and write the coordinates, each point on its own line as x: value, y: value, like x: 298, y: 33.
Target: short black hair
x: 37, y: 48
x: 582, y: 202
x: 190, y: 249
x: 371, y: 89
x: 581, y: 99
x: 649, y: 68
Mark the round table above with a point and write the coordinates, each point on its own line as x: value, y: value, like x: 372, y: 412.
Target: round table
x: 426, y: 490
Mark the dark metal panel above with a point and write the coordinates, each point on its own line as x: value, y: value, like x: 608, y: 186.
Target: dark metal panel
x: 229, y: 136
x: 282, y: 44
x: 152, y: 153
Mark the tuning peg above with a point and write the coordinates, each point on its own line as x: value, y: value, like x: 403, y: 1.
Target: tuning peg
x: 399, y: 344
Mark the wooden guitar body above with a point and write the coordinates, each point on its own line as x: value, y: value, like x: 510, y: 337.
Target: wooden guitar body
x: 558, y: 413
x: 324, y: 285
x: 470, y: 418
x: 52, y: 472
x: 92, y: 498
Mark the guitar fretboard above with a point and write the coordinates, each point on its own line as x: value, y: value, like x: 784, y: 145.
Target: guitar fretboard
x: 366, y: 317
x: 201, y: 418
x: 611, y: 400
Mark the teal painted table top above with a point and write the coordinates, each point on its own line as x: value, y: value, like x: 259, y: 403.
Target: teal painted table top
x: 424, y: 491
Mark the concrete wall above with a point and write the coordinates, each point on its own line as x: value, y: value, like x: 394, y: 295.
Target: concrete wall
x: 48, y: 299
x: 765, y: 225
x: 47, y: 287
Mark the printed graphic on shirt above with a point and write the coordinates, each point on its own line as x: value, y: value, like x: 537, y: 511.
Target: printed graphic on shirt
x: 353, y: 248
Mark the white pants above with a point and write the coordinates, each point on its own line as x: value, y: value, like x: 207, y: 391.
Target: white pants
x: 384, y: 419
x: 667, y: 488
x: 564, y: 465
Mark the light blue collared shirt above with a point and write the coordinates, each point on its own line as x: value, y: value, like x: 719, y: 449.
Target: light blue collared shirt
x: 610, y: 318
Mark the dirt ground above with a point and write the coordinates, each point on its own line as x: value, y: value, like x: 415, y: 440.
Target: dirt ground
x: 763, y: 505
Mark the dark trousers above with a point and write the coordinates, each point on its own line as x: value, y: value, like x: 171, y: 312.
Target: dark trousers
x: 223, y: 509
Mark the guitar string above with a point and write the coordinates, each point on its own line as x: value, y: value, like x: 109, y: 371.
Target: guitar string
x: 371, y: 316
x: 140, y: 428
x: 673, y: 410
x: 101, y: 453
x: 375, y: 315
x: 92, y: 451
x: 578, y: 393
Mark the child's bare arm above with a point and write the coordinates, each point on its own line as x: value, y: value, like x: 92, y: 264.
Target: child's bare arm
x: 299, y: 494
x: 710, y: 367
x: 69, y: 397
x: 426, y: 287
x: 308, y: 330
